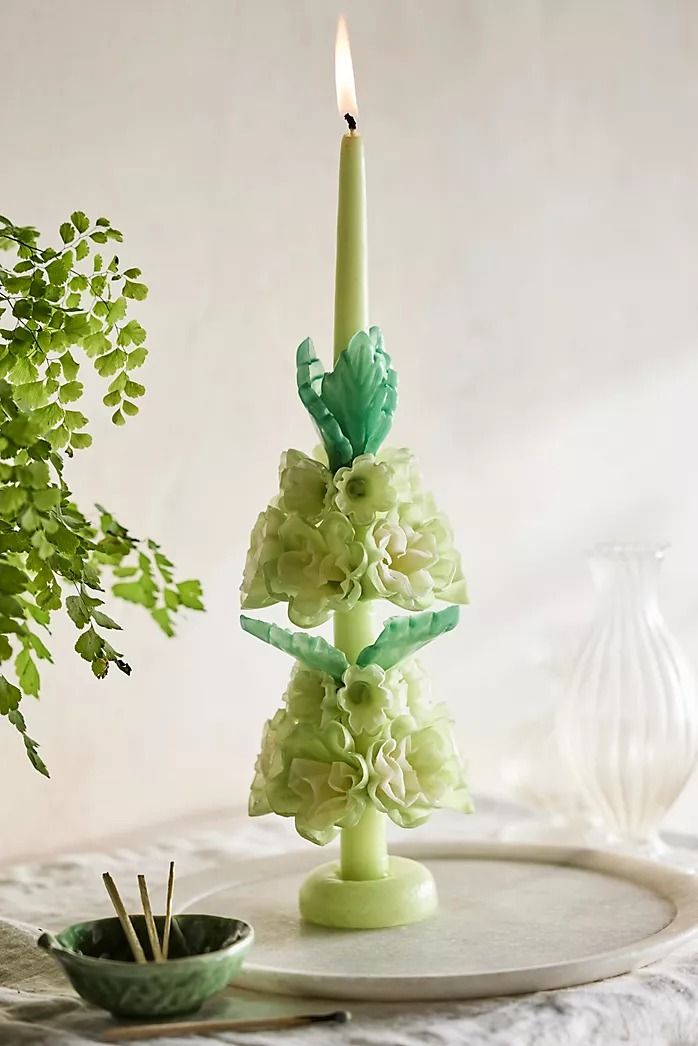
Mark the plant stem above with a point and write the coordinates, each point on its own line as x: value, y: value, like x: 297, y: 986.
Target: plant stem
x: 364, y: 850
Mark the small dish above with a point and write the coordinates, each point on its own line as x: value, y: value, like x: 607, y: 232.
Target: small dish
x: 206, y: 951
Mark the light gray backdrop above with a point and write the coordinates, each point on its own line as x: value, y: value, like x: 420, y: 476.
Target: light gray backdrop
x: 534, y: 247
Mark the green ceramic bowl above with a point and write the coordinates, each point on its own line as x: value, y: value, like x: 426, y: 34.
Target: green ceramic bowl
x: 205, y: 954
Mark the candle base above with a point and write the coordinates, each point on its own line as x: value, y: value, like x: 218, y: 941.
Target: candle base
x: 407, y: 894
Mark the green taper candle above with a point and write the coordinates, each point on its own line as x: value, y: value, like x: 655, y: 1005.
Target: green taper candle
x: 351, y: 278
x: 364, y: 852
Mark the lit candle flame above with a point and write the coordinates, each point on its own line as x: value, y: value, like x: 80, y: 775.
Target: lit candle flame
x: 344, y: 72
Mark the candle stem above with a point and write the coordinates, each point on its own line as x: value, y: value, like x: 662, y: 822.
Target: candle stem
x: 351, y: 278
x: 364, y: 850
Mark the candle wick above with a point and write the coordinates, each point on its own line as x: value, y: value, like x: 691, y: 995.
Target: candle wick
x: 350, y: 121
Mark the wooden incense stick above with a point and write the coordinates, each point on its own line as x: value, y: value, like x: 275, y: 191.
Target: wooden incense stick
x: 126, y: 924
x: 168, y: 911
x: 149, y: 920
x: 154, y: 1031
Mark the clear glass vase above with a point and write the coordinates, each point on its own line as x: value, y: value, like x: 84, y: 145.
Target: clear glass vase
x: 629, y: 721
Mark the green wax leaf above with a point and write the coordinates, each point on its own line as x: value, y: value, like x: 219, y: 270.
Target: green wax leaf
x: 404, y: 636
x: 361, y: 392
x: 313, y: 651
x: 310, y: 375
x: 353, y: 406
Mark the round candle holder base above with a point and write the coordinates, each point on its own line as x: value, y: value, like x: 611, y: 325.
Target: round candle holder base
x: 407, y: 894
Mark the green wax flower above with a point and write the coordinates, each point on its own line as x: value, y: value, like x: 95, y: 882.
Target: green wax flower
x: 364, y: 490
x: 304, y: 485
x: 318, y: 569
x: 413, y: 565
x: 265, y: 547
x: 311, y: 765
x: 306, y: 692
x: 369, y: 532
x: 414, y: 772
x: 370, y: 697
x: 313, y: 775
x: 270, y: 791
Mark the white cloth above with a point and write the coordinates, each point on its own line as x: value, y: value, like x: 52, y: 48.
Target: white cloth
x: 657, y: 1006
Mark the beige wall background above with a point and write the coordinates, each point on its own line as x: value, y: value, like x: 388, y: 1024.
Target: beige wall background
x: 534, y: 248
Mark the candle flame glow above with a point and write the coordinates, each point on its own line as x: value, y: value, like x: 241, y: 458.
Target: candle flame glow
x: 344, y: 72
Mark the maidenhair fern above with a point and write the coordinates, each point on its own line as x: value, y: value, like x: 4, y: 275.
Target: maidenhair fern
x: 62, y: 308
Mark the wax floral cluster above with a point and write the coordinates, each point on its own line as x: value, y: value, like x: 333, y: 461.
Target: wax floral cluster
x: 366, y: 531
x: 375, y: 737
x: 352, y: 524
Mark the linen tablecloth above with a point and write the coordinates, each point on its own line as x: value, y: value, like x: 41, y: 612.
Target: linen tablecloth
x: 657, y: 1006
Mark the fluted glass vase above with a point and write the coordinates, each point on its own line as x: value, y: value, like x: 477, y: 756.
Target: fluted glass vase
x: 629, y: 722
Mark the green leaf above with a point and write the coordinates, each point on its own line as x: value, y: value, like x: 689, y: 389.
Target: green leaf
x: 10, y: 696
x: 47, y: 499
x: 12, y: 580
x: 134, y: 389
x: 129, y: 408
x: 118, y: 418
x: 11, y: 501
x: 77, y: 611
x: 138, y: 291
x: 59, y: 437
x: 162, y: 617
x: 82, y: 250
x: 189, y: 592
x: 31, y: 395
x: 89, y: 645
x: 49, y: 416
x: 111, y: 363
x: 74, y: 419
x: 135, y: 332
x: 17, y: 720
x: 96, y: 344
x: 313, y: 651
x: 27, y: 673
x: 23, y: 371
x: 404, y: 636
x: 80, y: 440
x: 100, y: 667
x: 104, y: 620
x: 39, y: 647
x: 137, y: 358
x: 67, y: 232
x: 80, y: 221
x: 70, y: 367
x: 98, y: 237
x: 70, y: 392
x: 134, y: 592
x: 117, y: 310
x: 112, y: 399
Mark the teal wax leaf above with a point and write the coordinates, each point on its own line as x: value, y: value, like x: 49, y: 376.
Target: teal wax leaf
x: 404, y: 636
x: 361, y: 392
x: 313, y: 651
x: 353, y: 405
x: 309, y: 376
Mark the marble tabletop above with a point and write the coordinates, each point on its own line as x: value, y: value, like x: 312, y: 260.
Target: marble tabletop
x: 656, y: 1005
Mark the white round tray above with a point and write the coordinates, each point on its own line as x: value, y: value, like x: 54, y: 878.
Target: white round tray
x: 514, y: 918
